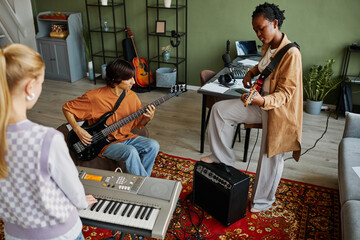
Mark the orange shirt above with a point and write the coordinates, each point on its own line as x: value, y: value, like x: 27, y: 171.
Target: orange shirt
x: 95, y: 103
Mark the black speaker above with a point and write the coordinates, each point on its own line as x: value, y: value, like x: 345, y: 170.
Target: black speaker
x: 221, y: 191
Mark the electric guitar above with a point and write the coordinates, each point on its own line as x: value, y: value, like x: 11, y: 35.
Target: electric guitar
x: 142, y: 72
x: 99, y: 131
x: 255, y: 89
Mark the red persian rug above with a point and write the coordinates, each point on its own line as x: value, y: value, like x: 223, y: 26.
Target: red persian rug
x: 301, y: 211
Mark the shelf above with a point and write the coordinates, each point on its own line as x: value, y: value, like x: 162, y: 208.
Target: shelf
x: 354, y: 79
x: 176, y: 17
x: 354, y: 48
x: 171, y: 61
x: 111, y: 30
x: 155, y: 6
x: 52, y: 39
x: 53, y: 20
x: 108, y: 54
x: 95, y: 3
x: 105, y: 45
x: 64, y: 57
x: 166, y: 34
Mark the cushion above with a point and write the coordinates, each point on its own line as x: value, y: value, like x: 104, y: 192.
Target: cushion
x: 352, y: 125
x: 349, y: 181
x: 350, y: 220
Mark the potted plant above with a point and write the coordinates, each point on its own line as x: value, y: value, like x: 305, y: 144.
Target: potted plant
x: 166, y: 53
x: 318, y: 82
x: 86, y: 40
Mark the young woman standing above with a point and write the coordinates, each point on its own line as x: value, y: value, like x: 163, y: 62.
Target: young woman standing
x: 39, y: 186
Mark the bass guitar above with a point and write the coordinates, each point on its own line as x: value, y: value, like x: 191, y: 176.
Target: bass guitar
x: 99, y: 131
x: 143, y: 74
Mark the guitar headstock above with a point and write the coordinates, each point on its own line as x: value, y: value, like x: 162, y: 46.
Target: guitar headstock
x: 178, y: 89
x: 129, y: 32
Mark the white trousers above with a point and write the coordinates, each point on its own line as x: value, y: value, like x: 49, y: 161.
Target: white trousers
x: 225, y: 115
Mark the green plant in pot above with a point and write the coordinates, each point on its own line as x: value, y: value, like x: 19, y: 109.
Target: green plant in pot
x: 318, y: 83
x: 86, y: 40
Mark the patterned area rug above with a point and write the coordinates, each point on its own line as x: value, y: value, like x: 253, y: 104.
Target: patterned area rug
x: 301, y: 211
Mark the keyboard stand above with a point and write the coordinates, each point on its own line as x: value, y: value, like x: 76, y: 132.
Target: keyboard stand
x: 113, y: 227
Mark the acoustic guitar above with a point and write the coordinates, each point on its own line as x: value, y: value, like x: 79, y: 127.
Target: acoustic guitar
x: 143, y: 74
x: 99, y: 131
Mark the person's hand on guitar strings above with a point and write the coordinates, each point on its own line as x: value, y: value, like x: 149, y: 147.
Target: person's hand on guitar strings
x: 83, y: 135
x: 150, y: 112
x: 257, y: 100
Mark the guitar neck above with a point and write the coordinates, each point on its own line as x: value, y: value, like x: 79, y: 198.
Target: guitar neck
x: 136, y: 53
x: 115, y: 126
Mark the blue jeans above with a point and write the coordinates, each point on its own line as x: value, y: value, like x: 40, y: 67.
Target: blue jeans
x: 80, y: 237
x: 139, y: 154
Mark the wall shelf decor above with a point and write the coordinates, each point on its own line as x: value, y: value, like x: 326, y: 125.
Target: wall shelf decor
x: 174, y: 35
x: 106, y: 25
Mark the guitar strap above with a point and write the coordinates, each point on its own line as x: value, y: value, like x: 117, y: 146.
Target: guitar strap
x: 117, y: 104
x: 275, y: 61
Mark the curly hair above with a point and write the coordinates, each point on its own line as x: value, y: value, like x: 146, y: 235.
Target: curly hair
x: 271, y: 12
x: 118, y: 70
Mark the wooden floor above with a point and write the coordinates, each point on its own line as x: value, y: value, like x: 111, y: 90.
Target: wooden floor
x: 176, y: 126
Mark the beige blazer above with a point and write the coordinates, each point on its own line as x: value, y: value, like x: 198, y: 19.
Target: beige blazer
x: 284, y: 103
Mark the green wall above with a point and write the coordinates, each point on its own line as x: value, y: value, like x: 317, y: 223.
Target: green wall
x: 323, y: 28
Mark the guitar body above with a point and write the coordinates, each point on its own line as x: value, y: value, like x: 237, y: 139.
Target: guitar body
x: 89, y: 152
x: 142, y: 72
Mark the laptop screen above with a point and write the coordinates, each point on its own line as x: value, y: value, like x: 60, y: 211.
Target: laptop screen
x: 246, y: 48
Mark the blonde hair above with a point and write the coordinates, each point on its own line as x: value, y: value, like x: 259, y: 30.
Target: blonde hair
x: 17, y: 62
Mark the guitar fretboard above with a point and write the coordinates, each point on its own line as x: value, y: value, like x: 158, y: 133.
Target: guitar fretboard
x: 113, y: 127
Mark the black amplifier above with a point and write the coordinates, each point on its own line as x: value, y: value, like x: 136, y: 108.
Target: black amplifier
x: 221, y: 191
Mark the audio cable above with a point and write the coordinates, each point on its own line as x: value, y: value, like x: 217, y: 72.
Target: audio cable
x: 307, y: 150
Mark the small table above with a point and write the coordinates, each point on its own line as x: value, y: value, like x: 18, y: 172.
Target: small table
x: 345, y: 97
x: 230, y: 94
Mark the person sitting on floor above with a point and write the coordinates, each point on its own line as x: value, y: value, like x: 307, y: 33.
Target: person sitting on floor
x: 138, y: 152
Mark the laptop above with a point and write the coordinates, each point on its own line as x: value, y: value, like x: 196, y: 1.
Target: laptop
x: 246, y: 48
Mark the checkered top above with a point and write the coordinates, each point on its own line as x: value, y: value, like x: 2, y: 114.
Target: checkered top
x: 29, y: 197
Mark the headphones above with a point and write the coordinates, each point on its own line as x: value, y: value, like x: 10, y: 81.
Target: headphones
x: 226, y: 79
x: 177, y: 36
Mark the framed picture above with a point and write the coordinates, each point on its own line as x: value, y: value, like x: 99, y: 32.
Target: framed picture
x: 160, y: 27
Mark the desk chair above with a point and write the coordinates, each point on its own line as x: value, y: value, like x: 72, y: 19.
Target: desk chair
x: 248, y: 127
x: 205, y: 76
x: 98, y: 162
